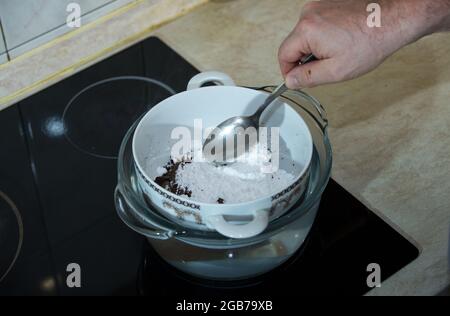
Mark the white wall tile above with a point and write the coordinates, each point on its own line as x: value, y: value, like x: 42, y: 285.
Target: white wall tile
x: 3, y: 58
x: 2, y: 44
x: 31, y: 23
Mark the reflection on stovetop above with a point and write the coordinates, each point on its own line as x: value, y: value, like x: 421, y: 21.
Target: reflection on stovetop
x: 11, y: 234
x: 96, y: 119
x: 60, y: 173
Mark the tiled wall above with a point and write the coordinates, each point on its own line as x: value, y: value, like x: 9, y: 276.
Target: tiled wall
x: 28, y: 24
x: 3, y: 57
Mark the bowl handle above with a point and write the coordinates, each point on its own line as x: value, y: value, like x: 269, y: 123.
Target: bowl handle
x: 255, y: 227
x: 210, y: 76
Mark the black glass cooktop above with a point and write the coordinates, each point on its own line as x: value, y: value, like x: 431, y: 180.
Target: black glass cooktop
x: 57, y: 178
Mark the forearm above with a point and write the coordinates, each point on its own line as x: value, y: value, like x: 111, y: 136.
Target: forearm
x: 406, y: 21
x: 441, y: 9
x: 424, y: 17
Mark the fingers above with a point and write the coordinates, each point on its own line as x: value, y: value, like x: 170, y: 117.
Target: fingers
x: 308, y: 38
x: 312, y: 74
x: 293, y: 49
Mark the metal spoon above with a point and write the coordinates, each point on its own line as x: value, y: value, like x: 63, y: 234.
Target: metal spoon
x: 234, y: 126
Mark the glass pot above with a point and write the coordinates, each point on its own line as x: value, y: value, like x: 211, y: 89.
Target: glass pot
x: 209, y: 255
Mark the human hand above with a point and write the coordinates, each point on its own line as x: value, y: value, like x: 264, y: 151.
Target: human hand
x: 337, y: 33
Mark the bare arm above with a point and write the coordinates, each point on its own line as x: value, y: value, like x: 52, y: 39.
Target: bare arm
x: 337, y: 33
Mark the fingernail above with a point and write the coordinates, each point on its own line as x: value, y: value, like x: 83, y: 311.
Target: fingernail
x: 292, y: 82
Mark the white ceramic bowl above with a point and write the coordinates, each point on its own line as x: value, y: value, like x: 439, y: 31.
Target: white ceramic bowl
x: 152, y: 145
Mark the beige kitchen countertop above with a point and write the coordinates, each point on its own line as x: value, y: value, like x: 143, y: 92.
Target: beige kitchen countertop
x: 390, y: 129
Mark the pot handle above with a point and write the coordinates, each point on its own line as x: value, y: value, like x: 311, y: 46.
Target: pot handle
x: 255, y: 227
x: 122, y: 212
x: 210, y: 76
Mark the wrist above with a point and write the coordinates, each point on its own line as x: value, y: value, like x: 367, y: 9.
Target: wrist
x: 426, y: 17
x: 406, y: 21
x: 443, y: 13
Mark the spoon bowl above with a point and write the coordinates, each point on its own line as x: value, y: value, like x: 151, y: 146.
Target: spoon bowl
x: 216, y: 148
x: 225, y: 144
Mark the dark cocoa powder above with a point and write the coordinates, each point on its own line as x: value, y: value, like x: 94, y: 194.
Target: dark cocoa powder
x: 168, y: 180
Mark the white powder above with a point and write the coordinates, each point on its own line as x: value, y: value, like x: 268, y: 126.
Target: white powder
x: 240, y: 182
x: 161, y: 171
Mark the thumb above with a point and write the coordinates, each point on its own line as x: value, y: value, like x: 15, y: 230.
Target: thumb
x: 311, y: 74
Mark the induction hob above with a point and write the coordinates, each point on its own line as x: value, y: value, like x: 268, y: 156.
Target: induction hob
x: 57, y: 179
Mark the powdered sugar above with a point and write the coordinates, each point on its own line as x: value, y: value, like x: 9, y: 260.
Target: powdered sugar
x: 243, y: 181
x: 234, y: 184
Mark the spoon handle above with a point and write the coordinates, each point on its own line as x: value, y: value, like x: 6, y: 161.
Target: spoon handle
x: 282, y: 88
x: 307, y: 59
x: 279, y: 90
